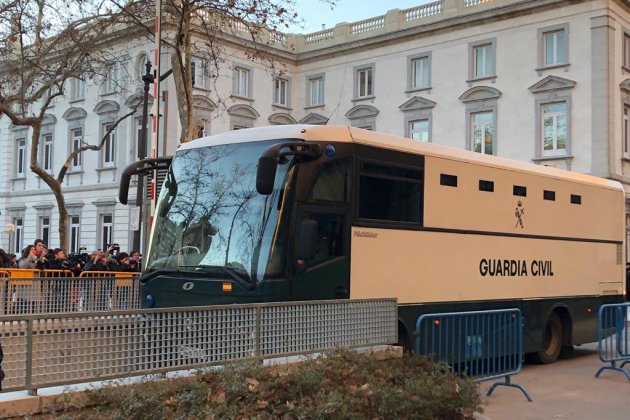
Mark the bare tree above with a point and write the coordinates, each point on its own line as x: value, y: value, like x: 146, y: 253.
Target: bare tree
x: 203, y: 28
x: 44, y: 45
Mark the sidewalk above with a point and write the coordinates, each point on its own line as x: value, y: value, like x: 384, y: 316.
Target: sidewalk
x: 566, y: 389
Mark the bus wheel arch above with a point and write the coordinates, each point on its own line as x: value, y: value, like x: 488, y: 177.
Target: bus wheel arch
x: 404, y: 338
x: 567, y: 331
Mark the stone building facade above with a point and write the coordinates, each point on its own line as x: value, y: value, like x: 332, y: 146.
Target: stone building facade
x: 544, y: 81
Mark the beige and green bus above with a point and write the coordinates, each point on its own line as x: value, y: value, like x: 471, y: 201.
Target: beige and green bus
x: 333, y: 212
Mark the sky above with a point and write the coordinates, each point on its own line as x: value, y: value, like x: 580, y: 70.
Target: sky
x: 315, y: 13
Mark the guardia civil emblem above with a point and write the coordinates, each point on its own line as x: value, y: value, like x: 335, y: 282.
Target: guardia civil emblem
x: 519, y: 212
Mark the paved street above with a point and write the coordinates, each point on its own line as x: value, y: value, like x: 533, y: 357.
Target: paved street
x: 566, y: 389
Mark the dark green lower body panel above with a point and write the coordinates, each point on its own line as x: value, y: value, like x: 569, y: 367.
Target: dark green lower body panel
x: 578, y: 315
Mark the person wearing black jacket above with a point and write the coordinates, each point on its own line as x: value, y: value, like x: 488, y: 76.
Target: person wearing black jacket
x: 100, y: 262
x: 4, y: 259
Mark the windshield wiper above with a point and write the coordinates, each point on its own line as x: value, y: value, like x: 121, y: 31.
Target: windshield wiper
x: 240, y: 275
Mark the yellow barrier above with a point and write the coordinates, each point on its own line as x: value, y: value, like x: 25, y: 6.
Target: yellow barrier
x: 56, y: 273
x: 122, y: 278
x: 117, y: 274
x: 4, y: 274
x: 22, y: 273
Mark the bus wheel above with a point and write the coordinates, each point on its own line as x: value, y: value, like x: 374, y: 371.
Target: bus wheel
x: 552, y: 341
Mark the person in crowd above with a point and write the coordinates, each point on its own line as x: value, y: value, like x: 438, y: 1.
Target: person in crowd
x: 31, y: 260
x: 13, y: 261
x: 59, y: 261
x: 4, y: 259
x: 123, y: 262
x: 99, y: 261
x: 40, y: 247
x: 135, y: 259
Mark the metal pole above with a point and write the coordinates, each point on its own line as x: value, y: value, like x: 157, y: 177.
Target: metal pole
x: 147, y: 78
x: 156, y: 102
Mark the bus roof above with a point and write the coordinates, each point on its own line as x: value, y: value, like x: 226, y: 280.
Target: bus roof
x: 341, y: 133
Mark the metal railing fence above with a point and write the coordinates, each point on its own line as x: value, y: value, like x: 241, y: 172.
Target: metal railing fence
x: 67, y: 294
x: 613, y: 338
x: 63, y: 349
x: 485, y: 345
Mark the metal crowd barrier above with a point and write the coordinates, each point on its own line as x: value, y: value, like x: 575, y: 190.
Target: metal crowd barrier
x: 21, y: 295
x: 63, y: 349
x: 613, y: 337
x: 482, y: 344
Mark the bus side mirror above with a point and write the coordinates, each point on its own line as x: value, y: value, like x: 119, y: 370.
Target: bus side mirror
x: 266, y: 174
x: 308, y: 239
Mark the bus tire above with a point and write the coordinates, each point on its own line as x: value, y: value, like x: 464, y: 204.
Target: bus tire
x: 551, y: 341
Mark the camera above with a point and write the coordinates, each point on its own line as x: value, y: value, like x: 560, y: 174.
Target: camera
x: 114, y: 247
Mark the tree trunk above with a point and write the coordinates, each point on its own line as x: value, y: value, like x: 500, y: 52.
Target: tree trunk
x: 53, y: 184
x: 181, y: 63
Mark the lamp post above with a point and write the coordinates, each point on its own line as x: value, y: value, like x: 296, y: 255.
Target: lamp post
x: 147, y: 78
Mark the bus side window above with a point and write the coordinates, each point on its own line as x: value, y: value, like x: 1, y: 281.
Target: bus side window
x: 332, y: 183
x: 330, y: 228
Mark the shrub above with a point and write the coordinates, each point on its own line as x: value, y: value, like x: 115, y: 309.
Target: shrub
x: 343, y: 385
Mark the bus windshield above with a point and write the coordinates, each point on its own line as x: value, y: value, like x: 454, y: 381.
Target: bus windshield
x: 210, y: 218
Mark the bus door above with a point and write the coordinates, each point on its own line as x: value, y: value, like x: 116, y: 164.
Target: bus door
x: 327, y: 274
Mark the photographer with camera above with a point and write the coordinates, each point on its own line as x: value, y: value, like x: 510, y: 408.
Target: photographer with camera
x: 100, y: 261
x: 31, y: 260
x: 135, y: 261
x: 60, y: 261
x: 113, y: 250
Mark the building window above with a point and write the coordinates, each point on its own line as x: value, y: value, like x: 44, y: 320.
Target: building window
x: 111, y: 82
x: 109, y: 147
x: 364, y: 82
x: 482, y: 60
x: 242, y: 82
x: 553, y: 46
x: 315, y: 92
x: 44, y: 229
x: 141, y: 66
x: 626, y: 134
x: 75, y: 233
x: 198, y: 74
x: 626, y: 50
x: 554, y: 129
x: 482, y: 132
x: 419, y: 72
x: 281, y: 92
x: 107, y: 229
x: 76, y: 140
x: 18, y: 234
x: 47, y: 152
x: 419, y: 130
x: 77, y: 89
x: 20, y: 158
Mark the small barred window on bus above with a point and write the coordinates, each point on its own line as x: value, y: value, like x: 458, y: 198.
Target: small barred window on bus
x: 520, y: 190
x: 549, y: 195
x: 486, y: 185
x: 448, y: 180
